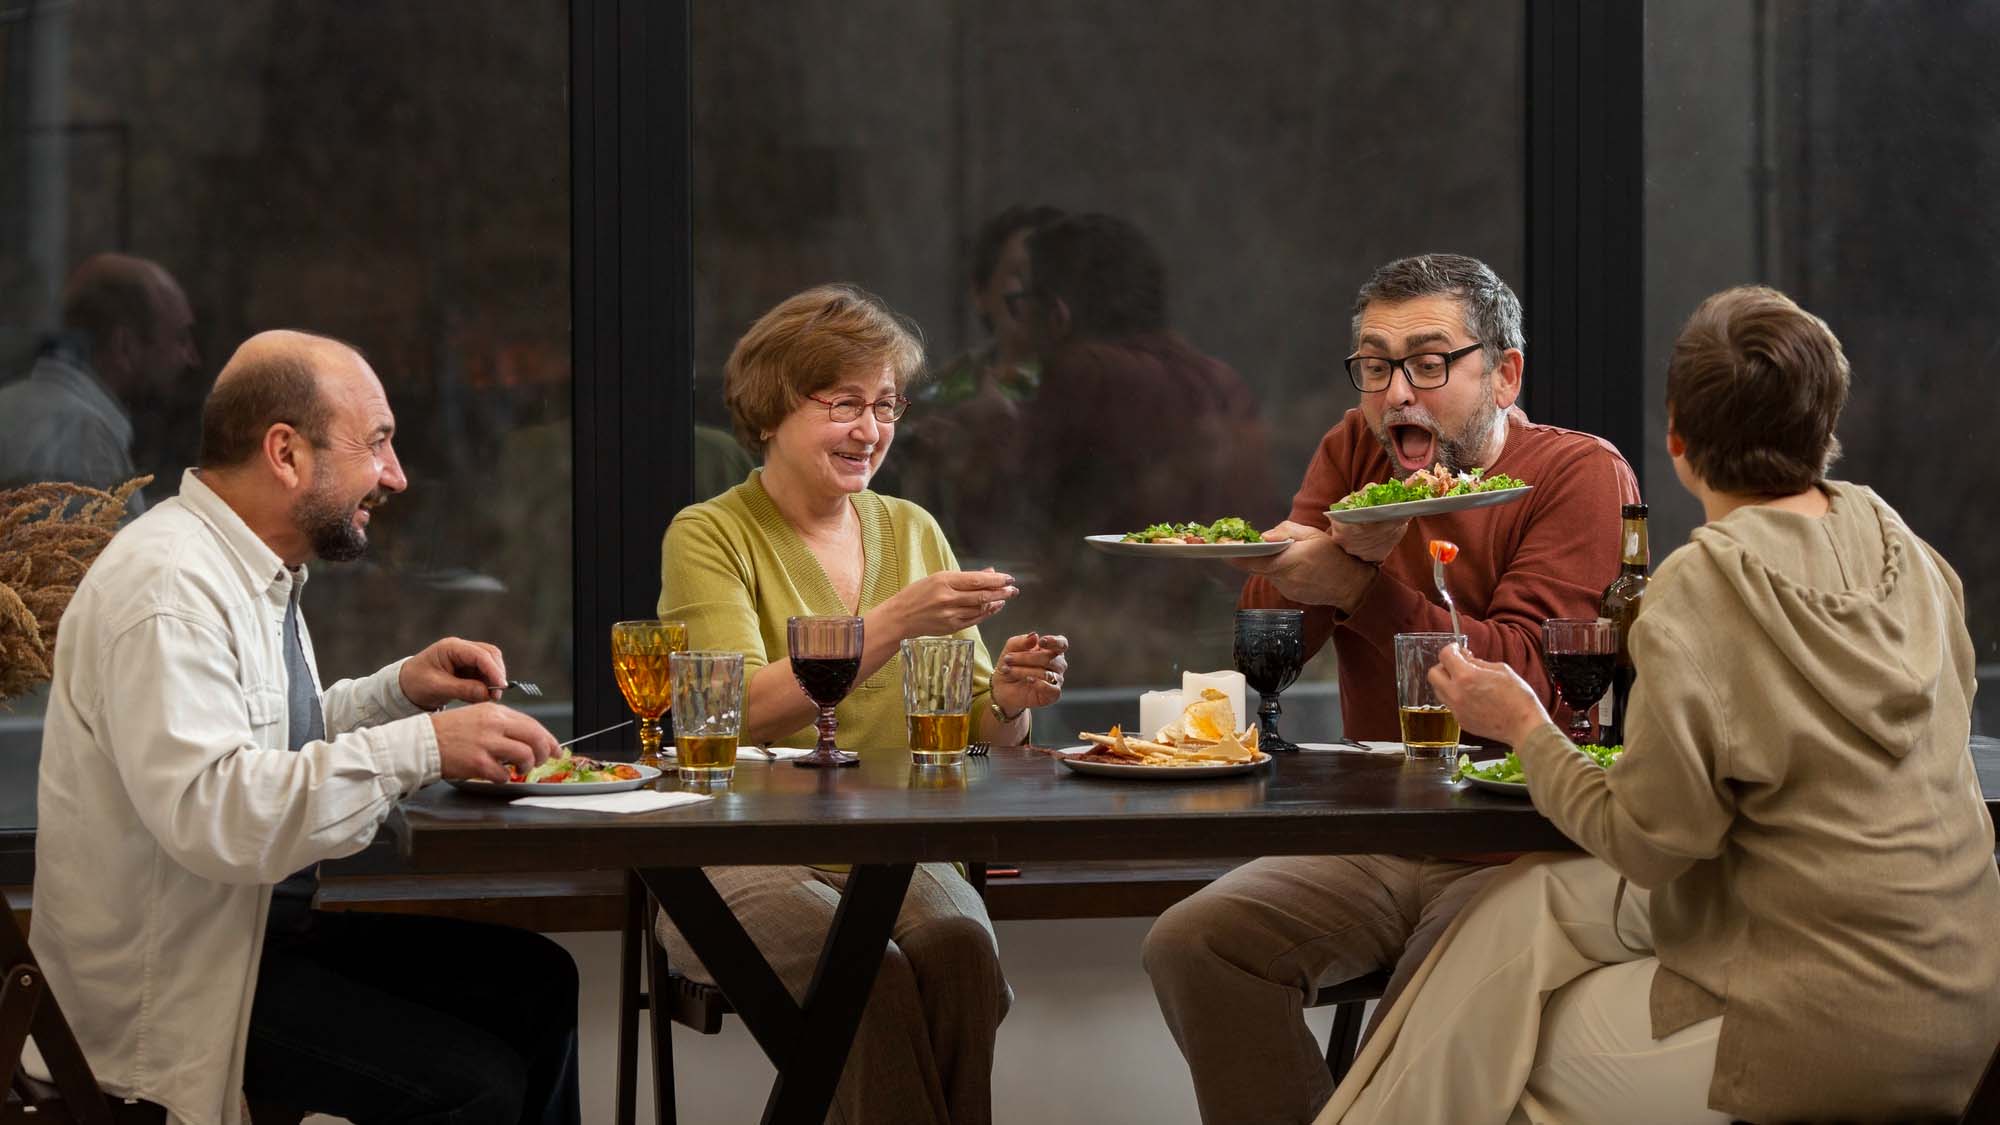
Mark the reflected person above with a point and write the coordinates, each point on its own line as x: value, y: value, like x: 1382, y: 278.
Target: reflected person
x: 817, y: 386
x: 127, y: 340
x: 194, y: 775
x: 1438, y: 362
x: 1789, y: 906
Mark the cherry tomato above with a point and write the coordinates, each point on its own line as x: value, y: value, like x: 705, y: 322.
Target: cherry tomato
x: 1444, y: 550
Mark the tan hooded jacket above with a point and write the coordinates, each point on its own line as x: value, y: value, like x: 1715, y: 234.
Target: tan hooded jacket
x: 1797, y: 794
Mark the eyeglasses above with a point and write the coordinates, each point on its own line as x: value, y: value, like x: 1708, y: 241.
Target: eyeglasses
x: 849, y: 409
x: 1424, y: 370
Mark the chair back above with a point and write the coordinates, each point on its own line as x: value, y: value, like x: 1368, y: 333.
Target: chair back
x: 29, y: 1011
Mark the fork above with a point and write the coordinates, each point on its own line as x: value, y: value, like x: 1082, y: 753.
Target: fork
x: 1437, y: 572
x: 978, y: 749
x: 526, y: 687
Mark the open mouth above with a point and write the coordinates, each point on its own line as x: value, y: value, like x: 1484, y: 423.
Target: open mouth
x: 1415, y: 446
x: 854, y: 462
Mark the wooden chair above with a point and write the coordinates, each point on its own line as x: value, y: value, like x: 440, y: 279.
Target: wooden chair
x: 29, y: 1011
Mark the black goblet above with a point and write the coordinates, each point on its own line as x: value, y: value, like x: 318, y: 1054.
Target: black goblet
x: 1270, y: 652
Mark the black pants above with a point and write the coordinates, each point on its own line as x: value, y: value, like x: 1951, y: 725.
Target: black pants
x: 401, y: 1018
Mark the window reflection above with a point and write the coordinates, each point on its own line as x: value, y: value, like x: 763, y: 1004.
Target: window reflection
x: 1219, y: 143
x: 393, y: 175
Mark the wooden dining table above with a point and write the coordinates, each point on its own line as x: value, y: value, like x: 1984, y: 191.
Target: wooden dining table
x: 1015, y: 804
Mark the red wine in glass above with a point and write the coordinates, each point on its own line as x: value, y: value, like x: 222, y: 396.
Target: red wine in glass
x: 1581, y: 657
x: 826, y: 657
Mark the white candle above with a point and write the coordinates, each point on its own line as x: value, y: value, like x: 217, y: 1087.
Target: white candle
x: 1157, y: 709
x: 1228, y: 683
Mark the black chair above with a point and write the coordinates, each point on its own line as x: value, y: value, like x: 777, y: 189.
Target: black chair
x: 28, y: 1010
x: 670, y: 997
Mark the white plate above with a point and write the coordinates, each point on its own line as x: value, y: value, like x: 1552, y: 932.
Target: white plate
x: 1156, y: 773
x: 1409, y: 509
x: 1115, y: 545
x: 556, y: 788
x: 1511, y: 788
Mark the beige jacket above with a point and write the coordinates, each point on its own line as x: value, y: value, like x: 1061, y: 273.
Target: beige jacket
x: 168, y: 805
x: 1797, y: 794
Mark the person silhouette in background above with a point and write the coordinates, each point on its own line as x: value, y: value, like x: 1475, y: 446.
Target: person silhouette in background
x: 127, y: 338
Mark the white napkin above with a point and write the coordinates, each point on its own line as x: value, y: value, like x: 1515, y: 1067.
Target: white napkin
x: 630, y: 801
x: 771, y: 753
x: 1383, y: 747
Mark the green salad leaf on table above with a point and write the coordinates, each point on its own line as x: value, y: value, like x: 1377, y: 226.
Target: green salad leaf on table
x: 1228, y: 529
x: 1430, y: 484
x: 1508, y: 769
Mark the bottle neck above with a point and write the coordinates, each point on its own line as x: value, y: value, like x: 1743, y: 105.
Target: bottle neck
x: 1634, y: 554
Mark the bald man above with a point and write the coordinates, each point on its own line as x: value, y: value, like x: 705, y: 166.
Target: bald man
x: 127, y: 337
x: 194, y: 774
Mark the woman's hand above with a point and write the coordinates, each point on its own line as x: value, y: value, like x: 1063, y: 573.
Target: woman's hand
x: 1030, y: 672
x: 1491, y: 700
x: 940, y: 604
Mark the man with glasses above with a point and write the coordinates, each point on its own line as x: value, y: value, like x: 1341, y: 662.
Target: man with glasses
x: 1437, y: 358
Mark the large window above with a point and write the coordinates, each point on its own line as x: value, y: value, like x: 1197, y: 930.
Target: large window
x: 1844, y: 153
x: 1271, y: 155
x: 392, y: 174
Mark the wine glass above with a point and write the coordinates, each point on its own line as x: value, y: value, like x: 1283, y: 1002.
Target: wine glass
x: 640, y: 655
x: 1581, y: 657
x: 826, y: 656
x: 1270, y: 652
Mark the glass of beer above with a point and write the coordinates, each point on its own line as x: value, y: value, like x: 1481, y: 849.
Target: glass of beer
x: 708, y: 714
x: 1430, y: 730
x: 639, y: 652
x: 937, y: 697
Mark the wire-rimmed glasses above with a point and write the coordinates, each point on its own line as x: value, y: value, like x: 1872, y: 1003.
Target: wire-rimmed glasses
x: 849, y: 409
x: 1425, y: 370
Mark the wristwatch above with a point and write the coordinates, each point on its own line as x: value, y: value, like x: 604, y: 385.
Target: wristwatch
x: 1002, y: 716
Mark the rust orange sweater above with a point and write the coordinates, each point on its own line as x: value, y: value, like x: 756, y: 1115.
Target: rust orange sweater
x: 1548, y: 555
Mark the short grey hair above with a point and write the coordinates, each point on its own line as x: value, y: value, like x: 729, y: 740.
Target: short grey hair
x: 1492, y: 312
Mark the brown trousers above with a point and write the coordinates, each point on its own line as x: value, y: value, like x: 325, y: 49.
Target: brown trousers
x: 924, y: 1052
x: 1235, y: 966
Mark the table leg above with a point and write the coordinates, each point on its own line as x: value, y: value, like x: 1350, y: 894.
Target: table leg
x: 808, y: 1042
x: 628, y: 999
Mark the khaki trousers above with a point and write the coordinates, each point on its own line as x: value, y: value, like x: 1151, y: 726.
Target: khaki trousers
x: 1472, y: 1042
x: 1235, y: 965
x: 924, y: 1051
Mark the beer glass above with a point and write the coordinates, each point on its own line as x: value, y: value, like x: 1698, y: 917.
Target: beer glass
x: 1430, y: 730
x: 708, y: 714
x: 639, y: 652
x: 937, y: 697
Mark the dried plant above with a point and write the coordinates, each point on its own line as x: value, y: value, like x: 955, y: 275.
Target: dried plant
x: 49, y: 535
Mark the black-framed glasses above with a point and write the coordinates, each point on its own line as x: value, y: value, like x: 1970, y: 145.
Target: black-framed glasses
x: 1424, y: 370
x: 849, y: 409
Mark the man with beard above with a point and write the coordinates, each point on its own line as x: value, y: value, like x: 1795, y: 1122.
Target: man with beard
x: 194, y: 775
x: 1437, y: 357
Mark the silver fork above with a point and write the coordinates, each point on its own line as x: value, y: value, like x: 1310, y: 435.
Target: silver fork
x: 978, y: 749
x: 1437, y: 572
x: 526, y: 687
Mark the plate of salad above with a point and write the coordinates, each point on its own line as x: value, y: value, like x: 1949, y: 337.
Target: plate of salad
x: 564, y: 773
x: 1503, y: 775
x: 1427, y: 492
x: 1226, y: 538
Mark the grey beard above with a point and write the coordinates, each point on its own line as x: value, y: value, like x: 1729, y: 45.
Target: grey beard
x: 1461, y: 451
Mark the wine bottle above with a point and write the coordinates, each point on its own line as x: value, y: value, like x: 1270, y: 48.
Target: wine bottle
x: 1621, y: 606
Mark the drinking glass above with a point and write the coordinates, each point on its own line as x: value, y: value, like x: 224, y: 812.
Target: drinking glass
x: 1430, y: 730
x: 639, y: 652
x: 937, y: 697
x: 1581, y: 657
x: 826, y: 656
x: 708, y: 714
x: 1270, y: 652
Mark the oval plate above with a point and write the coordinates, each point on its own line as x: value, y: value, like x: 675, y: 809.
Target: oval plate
x: 1410, y: 509
x: 1157, y: 773
x: 1115, y: 545
x: 647, y: 774
x: 1510, y: 788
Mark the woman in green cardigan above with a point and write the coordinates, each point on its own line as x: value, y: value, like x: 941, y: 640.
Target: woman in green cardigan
x: 816, y: 386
